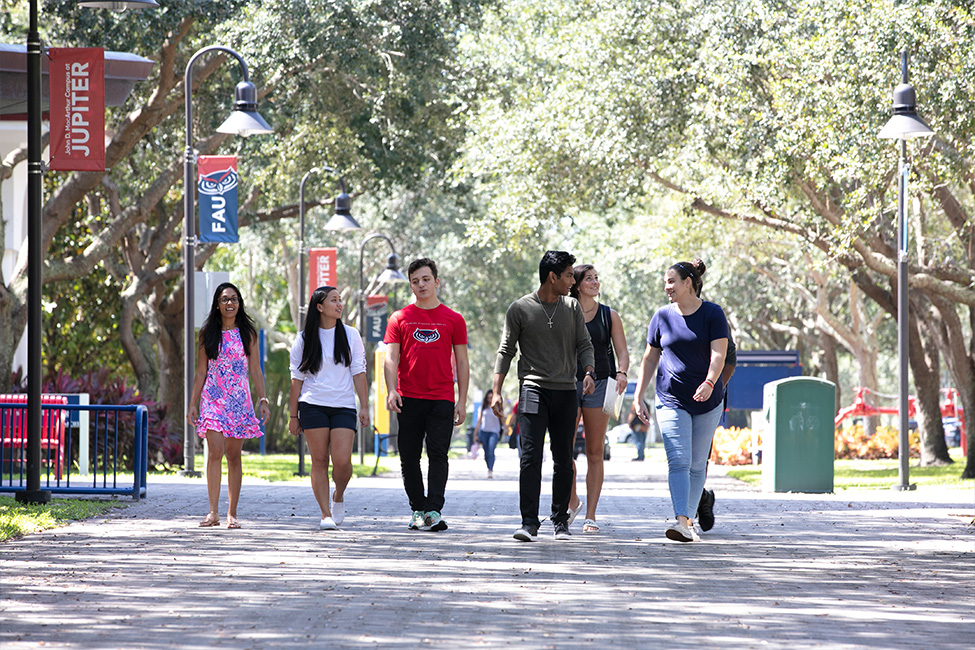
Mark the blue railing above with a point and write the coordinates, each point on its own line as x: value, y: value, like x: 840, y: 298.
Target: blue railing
x: 75, y: 458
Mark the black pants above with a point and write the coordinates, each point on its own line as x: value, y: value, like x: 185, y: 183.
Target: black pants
x: 432, y: 420
x: 540, y: 409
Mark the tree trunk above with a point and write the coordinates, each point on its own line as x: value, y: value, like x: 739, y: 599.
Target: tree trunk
x: 171, y: 357
x: 926, y: 367
x: 829, y: 363
x: 12, y: 316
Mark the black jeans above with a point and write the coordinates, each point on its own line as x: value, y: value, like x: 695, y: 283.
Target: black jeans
x: 433, y: 420
x: 540, y: 409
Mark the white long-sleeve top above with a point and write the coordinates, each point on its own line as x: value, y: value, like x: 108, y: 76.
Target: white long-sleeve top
x: 332, y: 384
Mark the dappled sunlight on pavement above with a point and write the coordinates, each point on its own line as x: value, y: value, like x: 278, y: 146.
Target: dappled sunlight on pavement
x: 866, y: 570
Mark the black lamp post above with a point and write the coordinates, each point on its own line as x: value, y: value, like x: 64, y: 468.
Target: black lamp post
x: 245, y: 121
x: 903, y: 125
x: 341, y: 220
x: 35, y: 251
x: 390, y: 274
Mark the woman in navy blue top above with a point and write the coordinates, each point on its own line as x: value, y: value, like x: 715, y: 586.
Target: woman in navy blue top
x: 686, y: 345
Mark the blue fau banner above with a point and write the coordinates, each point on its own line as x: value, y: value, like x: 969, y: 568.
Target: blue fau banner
x: 217, y: 191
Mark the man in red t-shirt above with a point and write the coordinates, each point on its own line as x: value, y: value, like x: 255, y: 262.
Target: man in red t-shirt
x: 424, y: 338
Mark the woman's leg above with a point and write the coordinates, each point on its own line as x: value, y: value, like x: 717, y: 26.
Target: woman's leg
x: 675, y: 427
x: 341, y: 452
x: 235, y: 474
x: 215, y: 452
x: 594, y: 421
x: 574, y: 496
x: 702, y: 432
x: 318, y: 444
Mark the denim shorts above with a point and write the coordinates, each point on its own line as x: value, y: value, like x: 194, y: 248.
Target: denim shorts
x: 312, y: 416
x: 594, y: 401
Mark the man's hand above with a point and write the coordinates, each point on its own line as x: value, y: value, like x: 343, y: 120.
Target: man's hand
x: 588, y: 385
x: 497, y: 404
x: 460, y: 414
x: 394, y: 402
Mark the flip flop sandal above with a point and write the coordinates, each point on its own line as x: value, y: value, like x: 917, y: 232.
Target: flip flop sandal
x: 574, y: 512
x: 212, y: 519
x: 232, y: 522
x: 590, y: 526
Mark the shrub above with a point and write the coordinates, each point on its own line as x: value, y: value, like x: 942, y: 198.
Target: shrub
x: 854, y: 442
x: 165, y: 445
x: 733, y: 446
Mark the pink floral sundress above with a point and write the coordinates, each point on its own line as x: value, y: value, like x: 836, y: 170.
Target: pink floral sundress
x: 226, y: 404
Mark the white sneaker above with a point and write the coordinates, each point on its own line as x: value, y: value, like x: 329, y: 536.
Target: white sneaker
x: 338, y: 512
x: 328, y: 524
x: 682, y: 533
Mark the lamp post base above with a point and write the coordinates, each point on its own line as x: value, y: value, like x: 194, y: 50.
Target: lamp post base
x: 905, y: 488
x: 33, y: 496
x: 192, y: 473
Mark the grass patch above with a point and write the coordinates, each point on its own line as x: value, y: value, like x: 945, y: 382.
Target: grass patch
x: 881, y: 474
x: 284, y: 467
x: 19, y: 519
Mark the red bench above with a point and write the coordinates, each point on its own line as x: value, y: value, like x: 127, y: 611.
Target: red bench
x: 13, y: 430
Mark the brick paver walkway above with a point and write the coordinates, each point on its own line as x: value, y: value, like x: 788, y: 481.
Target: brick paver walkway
x: 871, y: 570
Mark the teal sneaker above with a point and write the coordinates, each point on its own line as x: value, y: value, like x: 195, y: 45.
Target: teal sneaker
x: 417, y: 521
x: 433, y: 522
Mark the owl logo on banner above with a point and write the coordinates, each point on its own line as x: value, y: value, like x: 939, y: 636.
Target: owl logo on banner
x: 217, y: 187
x: 426, y: 336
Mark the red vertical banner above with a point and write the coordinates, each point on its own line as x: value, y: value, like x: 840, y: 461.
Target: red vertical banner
x: 77, y: 76
x: 322, y: 269
x: 376, y: 312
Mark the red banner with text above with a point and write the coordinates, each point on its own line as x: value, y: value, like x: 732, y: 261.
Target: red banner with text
x: 321, y: 269
x: 77, y: 76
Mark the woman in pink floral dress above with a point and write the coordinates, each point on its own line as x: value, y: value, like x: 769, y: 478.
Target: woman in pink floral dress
x: 221, y: 407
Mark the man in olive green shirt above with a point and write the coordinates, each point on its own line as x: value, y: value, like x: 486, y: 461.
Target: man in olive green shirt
x: 549, y: 330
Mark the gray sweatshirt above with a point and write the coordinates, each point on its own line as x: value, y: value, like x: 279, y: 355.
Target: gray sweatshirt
x: 548, y: 355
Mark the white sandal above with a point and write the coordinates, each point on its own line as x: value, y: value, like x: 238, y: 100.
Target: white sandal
x: 590, y: 526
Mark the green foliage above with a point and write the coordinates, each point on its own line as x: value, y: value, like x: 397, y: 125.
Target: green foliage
x: 19, y: 519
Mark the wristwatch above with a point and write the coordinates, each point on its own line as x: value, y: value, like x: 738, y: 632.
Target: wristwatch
x: 590, y: 373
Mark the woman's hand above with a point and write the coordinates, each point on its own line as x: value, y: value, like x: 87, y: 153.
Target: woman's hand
x: 265, y: 411
x: 703, y: 392
x: 193, y: 414
x: 294, y: 428
x: 642, y: 412
x: 620, y: 383
x: 364, y: 418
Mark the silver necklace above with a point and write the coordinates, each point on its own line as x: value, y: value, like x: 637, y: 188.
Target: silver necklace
x: 554, y: 311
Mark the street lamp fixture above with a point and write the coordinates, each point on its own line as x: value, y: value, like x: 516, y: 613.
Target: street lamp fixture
x: 341, y: 220
x: 35, y: 252
x: 245, y: 121
x: 902, y: 126
x: 389, y: 275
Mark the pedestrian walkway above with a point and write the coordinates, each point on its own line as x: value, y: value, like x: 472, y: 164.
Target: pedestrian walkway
x: 874, y: 570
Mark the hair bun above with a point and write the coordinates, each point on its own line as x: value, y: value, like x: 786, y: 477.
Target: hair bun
x: 699, y: 266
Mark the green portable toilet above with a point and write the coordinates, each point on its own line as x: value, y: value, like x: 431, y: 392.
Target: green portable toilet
x: 797, y: 445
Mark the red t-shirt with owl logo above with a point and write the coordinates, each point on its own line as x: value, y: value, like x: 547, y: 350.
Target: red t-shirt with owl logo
x: 426, y: 340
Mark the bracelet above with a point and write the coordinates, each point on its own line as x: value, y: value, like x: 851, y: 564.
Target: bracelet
x: 294, y: 417
x: 709, y: 383
x: 621, y: 372
x: 264, y: 399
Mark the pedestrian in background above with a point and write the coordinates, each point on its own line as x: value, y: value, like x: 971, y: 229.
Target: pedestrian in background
x: 687, y: 341
x: 328, y: 371
x: 605, y: 329
x: 639, y: 429
x: 488, y: 430
x: 221, y: 407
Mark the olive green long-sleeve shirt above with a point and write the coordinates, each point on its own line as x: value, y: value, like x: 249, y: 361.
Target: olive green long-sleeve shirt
x: 548, y: 354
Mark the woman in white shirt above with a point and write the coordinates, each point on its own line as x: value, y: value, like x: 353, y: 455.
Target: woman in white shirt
x: 328, y: 370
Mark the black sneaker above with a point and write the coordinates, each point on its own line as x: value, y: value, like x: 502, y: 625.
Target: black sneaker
x: 705, y: 510
x: 562, y: 531
x: 526, y: 534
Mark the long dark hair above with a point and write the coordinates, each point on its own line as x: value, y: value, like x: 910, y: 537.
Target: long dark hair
x: 211, y: 333
x: 311, y: 354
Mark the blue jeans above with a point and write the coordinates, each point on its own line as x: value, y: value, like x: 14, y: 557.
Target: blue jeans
x: 489, y: 440
x: 640, y: 440
x: 687, y: 440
